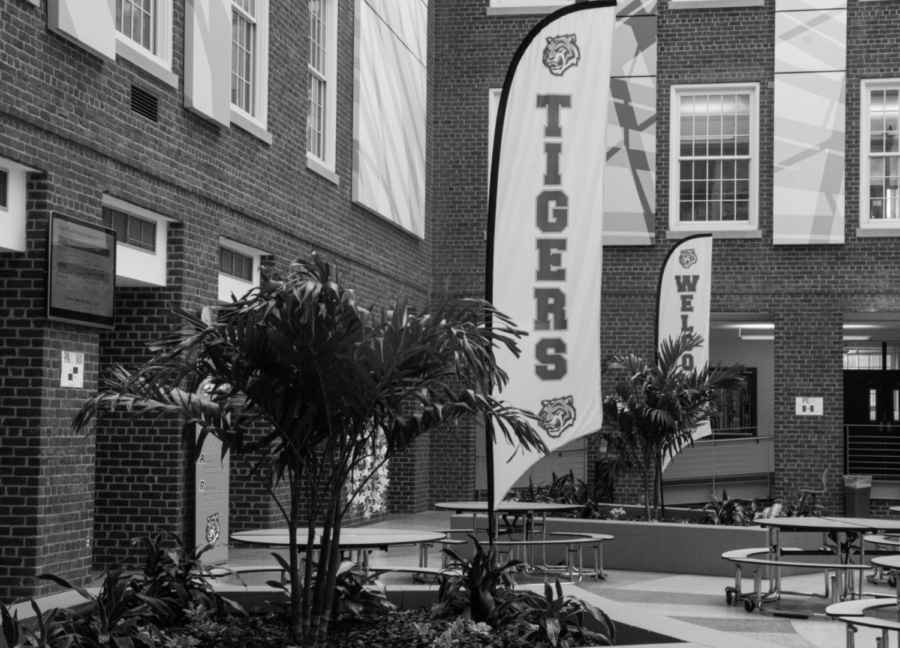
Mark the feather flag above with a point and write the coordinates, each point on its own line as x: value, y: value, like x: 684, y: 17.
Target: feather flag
x: 545, y: 245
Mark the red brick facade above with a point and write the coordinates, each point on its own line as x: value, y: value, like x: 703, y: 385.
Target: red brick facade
x: 68, y: 501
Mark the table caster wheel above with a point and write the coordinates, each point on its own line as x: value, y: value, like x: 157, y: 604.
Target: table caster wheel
x: 749, y: 605
x: 729, y: 596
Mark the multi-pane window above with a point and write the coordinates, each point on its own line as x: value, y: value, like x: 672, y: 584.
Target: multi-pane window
x: 883, y: 160
x: 714, y: 157
x: 235, y: 264
x: 136, y: 19
x: 130, y: 229
x: 243, y: 55
x: 316, y: 120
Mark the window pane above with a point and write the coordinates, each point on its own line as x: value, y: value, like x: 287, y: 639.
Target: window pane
x: 686, y: 212
x: 687, y: 171
x: 715, y: 211
x: 728, y: 211
x: 699, y: 211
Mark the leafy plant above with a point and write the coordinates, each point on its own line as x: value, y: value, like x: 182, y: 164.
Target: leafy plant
x: 727, y: 512
x: 555, y: 620
x: 120, y: 615
x: 658, y: 404
x: 358, y: 590
x: 52, y: 629
x: 179, y: 577
x: 477, y: 587
x: 324, y: 376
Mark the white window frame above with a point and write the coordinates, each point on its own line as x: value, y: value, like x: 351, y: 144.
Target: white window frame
x: 675, y: 225
x: 256, y: 123
x: 136, y: 266
x: 866, y: 87
x: 157, y: 64
x: 229, y: 284
x: 326, y: 165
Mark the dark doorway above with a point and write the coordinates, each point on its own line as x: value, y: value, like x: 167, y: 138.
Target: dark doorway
x: 872, y: 422
x: 737, y: 410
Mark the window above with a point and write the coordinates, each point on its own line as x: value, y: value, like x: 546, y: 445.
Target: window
x: 131, y: 230
x: 136, y: 19
x: 249, y: 64
x: 235, y: 264
x: 322, y: 71
x: 4, y: 189
x: 144, y: 36
x: 238, y: 268
x: 533, y: 5
x: 714, y: 160
x: 879, y: 155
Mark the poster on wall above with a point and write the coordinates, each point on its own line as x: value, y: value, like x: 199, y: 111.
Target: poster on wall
x: 545, y: 228
x: 81, y: 282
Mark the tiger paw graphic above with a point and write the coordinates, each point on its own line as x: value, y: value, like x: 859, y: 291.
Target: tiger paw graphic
x: 557, y: 415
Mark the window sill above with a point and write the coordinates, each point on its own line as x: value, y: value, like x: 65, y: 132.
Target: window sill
x: 674, y: 235
x: 244, y: 123
x: 877, y: 232
x: 522, y: 11
x: 675, y: 5
x: 316, y: 166
x: 152, y: 66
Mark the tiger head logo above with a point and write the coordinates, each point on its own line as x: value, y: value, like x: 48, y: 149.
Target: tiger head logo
x: 561, y: 53
x: 212, y: 528
x: 687, y: 258
x: 557, y: 415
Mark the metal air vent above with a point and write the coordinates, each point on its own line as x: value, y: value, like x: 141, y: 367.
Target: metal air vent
x: 144, y: 103
x: 4, y: 188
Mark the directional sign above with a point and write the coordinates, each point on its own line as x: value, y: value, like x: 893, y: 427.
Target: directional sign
x: 810, y: 405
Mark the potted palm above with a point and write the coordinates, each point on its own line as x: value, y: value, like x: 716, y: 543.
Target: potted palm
x: 656, y: 406
x: 335, y: 387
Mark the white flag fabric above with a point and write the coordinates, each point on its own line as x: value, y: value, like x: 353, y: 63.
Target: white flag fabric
x: 545, y: 227
x: 683, y: 301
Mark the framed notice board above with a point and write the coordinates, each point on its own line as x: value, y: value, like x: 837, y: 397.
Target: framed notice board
x: 81, y: 282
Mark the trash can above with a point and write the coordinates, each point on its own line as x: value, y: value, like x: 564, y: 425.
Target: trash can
x: 857, y: 489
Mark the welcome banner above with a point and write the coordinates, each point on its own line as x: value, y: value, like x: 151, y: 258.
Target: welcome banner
x: 683, y: 300
x: 545, y: 247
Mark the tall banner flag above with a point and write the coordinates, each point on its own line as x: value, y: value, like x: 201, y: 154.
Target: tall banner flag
x: 683, y: 301
x: 545, y: 224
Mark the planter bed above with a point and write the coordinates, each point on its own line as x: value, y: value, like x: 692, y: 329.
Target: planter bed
x: 664, y: 547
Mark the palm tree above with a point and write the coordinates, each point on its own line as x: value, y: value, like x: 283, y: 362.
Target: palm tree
x: 327, y: 381
x: 655, y: 408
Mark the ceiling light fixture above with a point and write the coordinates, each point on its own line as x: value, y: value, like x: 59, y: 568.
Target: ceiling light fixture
x: 857, y: 337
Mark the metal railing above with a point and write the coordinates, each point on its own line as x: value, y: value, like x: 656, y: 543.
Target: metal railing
x: 720, y: 459
x: 872, y: 450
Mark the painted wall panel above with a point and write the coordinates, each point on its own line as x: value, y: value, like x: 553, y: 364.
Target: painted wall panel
x: 389, y: 123
x: 629, y: 201
x: 207, y: 59
x: 634, y: 47
x: 13, y: 217
x: 809, y: 161
x: 803, y: 5
x: 408, y: 20
x: 810, y: 41
x: 637, y: 8
x: 211, y: 503
x: 90, y: 24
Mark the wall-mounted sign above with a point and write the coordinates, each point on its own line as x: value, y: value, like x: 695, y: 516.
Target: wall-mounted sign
x: 71, y: 372
x: 81, y: 282
x: 810, y: 405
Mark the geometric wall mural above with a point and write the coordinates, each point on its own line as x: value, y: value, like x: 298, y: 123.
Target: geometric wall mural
x: 809, y: 158
x: 389, y: 103
x: 810, y: 122
x: 629, y: 196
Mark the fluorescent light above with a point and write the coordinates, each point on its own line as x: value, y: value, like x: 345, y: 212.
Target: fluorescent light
x: 757, y: 336
x: 767, y: 326
x: 857, y: 337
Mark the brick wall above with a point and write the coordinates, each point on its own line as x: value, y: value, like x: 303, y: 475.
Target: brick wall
x: 807, y: 289
x: 66, y: 113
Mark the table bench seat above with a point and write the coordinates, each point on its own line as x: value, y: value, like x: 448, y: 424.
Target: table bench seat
x: 858, y: 607
x: 574, y: 543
